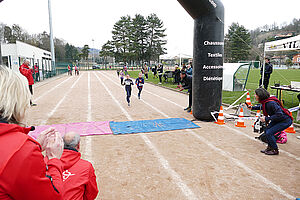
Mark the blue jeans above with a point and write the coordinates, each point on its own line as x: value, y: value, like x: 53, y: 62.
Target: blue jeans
x: 275, y: 127
x: 128, y: 93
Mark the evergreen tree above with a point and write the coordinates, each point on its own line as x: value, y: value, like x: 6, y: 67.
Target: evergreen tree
x: 106, y: 51
x: 85, y: 52
x: 237, y: 43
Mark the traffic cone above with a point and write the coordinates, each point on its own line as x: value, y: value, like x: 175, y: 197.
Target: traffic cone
x: 256, y: 117
x: 240, y: 122
x: 191, y: 112
x: 248, y: 100
x: 290, y: 129
x: 220, y: 120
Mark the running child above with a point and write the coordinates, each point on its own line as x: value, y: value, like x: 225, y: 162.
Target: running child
x: 139, y: 83
x: 128, y: 83
x: 122, y: 76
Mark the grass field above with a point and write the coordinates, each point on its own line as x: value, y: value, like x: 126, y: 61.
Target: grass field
x: 279, y: 75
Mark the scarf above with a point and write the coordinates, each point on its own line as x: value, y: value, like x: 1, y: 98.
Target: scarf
x: 263, y: 102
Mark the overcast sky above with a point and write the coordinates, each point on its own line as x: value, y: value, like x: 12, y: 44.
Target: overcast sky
x: 80, y: 21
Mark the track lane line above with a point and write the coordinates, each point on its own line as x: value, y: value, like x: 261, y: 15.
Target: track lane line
x: 59, y: 103
x: 175, y: 177
x: 230, y: 157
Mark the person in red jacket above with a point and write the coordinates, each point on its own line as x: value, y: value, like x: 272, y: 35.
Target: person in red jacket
x: 27, y: 71
x: 36, y: 72
x: 23, y: 173
x: 79, y: 175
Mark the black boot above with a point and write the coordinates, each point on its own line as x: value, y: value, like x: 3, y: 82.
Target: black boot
x: 267, y: 149
x: 272, y: 152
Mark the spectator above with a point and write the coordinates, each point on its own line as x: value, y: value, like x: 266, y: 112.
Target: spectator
x: 69, y: 70
x: 36, y: 72
x: 79, y: 175
x: 267, y: 74
x: 23, y: 173
x: 189, y: 70
x: 177, y: 74
x: 146, y: 71
x: 275, y: 115
x: 187, y: 84
x: 183, y: 67
x: 160, y: 71
x: 155, y: 71
x: 125, y: 69
x: 26, y: 71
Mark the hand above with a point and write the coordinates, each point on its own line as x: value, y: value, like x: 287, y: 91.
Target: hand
x: 42, y: 138
x: 55, y: 146
x: 263, y: 119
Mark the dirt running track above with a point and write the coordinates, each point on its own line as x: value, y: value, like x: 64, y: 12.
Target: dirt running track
x: 212, y: 162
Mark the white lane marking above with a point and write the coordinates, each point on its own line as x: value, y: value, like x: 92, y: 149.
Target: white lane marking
x: 58, y: 104
x: 38, y: 98
x: 237, y: 162
x: 88, y: 139
x: 89, y: 114
x: 176, y: 178
x: 235, y: 130
x: 251, y: 138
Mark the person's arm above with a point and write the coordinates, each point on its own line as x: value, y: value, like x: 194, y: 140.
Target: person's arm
x: 256, y: 107
x: 25, y: 72
x: 91, y: 189
x: 278, y: 112
x: 33, y: 180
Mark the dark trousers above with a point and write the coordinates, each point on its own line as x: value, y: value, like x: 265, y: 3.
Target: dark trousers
x: 275, y: 127
x: 140, y: 90
x: 266, y: 81
x: 37, y: 77
x: 190, y: 98
x: 77, y: 72
x: 31, y: 91
x: 160, y: 78
x: 122, y: 80
x: 128, y: 93
x: 146, y: 76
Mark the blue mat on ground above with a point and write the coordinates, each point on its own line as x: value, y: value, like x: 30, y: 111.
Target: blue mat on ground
x: 145, y: 126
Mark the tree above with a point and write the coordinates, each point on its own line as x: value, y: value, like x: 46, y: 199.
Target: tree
x: 106, y: 51
x: 238, y: 43
x: 85, y: 52
x: 156, y: 34
x: 72, y: 53
x: 121, y: 38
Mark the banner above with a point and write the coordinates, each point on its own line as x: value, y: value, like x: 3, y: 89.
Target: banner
x: 292, y: 43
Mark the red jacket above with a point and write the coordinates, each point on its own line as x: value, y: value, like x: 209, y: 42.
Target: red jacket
x: 23, y: 170
x: 79, y: 177
x: 27, y: 72
x: 36, y: 69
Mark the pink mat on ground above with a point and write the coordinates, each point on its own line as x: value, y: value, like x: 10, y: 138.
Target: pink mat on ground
x: 83, y: 128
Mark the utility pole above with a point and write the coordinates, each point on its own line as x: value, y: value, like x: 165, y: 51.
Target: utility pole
x: 51, y: 37
x: 93, y: 52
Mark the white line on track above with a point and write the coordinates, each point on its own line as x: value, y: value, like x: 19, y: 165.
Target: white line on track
x: 88, y: 139
x: 38, y: 98
x: 235, y: 130
x: 176, y: 178
x: 236, y: 161
x: 58, y: 104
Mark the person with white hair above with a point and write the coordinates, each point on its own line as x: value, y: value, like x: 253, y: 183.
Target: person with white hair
x: 79, y: 175
x: 24, y: 174
x: 27, y: 71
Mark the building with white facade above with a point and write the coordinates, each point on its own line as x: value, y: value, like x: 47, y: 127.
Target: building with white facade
x: 14, y: 54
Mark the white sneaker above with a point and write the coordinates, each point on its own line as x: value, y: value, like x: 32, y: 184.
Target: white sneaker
x: 159, y: 83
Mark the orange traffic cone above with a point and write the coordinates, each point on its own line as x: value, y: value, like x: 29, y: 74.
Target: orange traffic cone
x: 290, y: 129
x: 220, y: 120
x: 240, y: 122
x: 191, y: 112
x: 248, y: 100
x: 256, y: 117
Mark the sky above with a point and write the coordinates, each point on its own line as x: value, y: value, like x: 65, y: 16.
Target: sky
x: 80, y: 21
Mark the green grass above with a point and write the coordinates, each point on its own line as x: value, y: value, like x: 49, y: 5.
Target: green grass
x: 284, y: 76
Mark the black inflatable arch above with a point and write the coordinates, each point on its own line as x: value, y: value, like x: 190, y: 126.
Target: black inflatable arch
x: 208, y: 55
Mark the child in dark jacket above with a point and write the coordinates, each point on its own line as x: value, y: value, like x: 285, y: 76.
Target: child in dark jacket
x: 139, y: 83
x: 128, y: 83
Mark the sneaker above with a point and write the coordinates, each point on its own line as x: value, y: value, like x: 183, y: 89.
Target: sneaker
x: 139, y: 97
x: 267, y: 149
x: 189, y: 110
x: 33, y: 104
x: 159, y: 83
x: 186, y: 108
x: 128, y: 104
x: 272, y: 152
